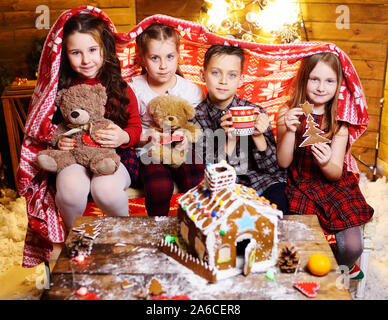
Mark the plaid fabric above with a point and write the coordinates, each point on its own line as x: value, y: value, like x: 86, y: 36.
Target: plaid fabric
x: 338, y: 204
x: 158, y: 180
x: 255, y: 169
x: 131, y: 162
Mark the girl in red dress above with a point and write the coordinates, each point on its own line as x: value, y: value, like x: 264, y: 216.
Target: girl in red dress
x: 89, y: 57
x: 319, y: 181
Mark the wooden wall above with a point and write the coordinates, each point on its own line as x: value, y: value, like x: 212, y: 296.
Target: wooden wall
x: 18, y: 31
x: 382, y: 160
x: 365, y: 42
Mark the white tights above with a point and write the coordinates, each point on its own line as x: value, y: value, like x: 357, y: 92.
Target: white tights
x: 108, y: 191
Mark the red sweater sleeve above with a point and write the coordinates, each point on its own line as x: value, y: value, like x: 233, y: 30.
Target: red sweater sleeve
x: 133, y: 127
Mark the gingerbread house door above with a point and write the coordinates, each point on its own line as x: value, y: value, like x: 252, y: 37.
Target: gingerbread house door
x: 249, y: 258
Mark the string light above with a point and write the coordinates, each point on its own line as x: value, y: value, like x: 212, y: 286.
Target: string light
x: 265, y: 21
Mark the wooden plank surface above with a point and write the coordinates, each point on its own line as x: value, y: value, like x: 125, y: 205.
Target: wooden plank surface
x: 126, y: 250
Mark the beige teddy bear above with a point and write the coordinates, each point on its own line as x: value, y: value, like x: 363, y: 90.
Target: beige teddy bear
x: 171, y: 115
x: 83, y: 108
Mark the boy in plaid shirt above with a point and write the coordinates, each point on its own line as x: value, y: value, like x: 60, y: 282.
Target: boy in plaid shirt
x: 253, y: 157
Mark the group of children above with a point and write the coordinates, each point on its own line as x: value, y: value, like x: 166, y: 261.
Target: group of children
x: 318, y: 181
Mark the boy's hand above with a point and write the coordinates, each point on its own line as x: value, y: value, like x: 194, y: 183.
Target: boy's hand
x: 291, y: 119
x: 261, y: 124
x: 227, y: 123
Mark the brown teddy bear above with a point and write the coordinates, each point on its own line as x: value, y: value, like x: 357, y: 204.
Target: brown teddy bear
x: 83, y: 108
x: 171, y: 114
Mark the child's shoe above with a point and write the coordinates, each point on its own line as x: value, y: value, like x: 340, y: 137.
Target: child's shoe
x: 355, y: 273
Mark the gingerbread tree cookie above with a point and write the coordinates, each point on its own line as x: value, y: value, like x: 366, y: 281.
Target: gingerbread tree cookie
x: 313, y: 133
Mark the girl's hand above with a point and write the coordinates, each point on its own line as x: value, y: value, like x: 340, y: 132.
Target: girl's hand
x: 66, y: 143
x: 291, y: 119
x: 227, y: 123
x: 322, y: 153
x: 261, y: 124
x: 112, y: 136
x: 182, y: 145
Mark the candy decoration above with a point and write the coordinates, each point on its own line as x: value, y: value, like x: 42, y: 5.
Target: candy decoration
x: 309, y: 289
x: 82, y: 291
x: 91, y: 296
x: 80, y: 258
x: 169, y: 238
x: 270, y: 275
x: 222, y: 232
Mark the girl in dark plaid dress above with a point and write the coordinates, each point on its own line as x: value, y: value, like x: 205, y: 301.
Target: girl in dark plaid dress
x: 318, y: 178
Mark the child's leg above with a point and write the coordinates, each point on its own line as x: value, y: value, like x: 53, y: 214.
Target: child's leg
x: 158, y: 188
x: 108, y: 191
x: 275, y: 194
x: 187, y: 176
x: 350, y: 246
x: 73, y: 186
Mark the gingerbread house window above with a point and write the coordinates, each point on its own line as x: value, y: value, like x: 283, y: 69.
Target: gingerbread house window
x: 224, y: 254
x: 185, y: 232
x: 199, y: 247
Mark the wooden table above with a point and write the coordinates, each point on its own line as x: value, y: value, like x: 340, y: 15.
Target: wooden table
x: 15, y: 117
x: 126, y: 250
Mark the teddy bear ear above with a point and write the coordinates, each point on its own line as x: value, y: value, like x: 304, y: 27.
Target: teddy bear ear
x: 189, y: 110
x: 100, y: 90
x: 153, y: 105
x: 58, y: 99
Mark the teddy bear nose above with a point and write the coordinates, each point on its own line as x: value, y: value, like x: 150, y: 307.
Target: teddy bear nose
x: 74, y: 114
x: 171, y: 118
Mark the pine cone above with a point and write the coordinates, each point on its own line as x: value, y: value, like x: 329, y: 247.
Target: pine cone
x: 288, y: 260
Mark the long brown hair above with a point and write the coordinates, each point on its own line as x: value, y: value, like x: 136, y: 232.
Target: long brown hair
x: 160, y: 32
x: 299, y: 96
x: 110, y: 72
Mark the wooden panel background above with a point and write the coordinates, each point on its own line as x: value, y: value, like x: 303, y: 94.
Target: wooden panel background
x: 18, y: 31
x: 365, y: 42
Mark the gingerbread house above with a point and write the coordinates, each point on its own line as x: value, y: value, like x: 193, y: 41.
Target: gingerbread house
x: 229, y: 228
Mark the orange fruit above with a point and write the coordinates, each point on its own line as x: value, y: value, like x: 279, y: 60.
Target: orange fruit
x: 319, y: 264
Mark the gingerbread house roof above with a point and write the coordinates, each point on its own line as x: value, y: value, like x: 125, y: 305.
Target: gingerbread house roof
x: 209, y: 210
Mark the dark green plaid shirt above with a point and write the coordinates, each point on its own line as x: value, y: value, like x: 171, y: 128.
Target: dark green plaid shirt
x: 254, y: 168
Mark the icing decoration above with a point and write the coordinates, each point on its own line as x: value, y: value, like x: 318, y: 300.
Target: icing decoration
x: 247, y: 222
x: 309, y: 289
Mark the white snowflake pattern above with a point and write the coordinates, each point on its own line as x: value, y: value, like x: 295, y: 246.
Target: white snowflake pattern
x: 266, y: 231
x: 273, y: 90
